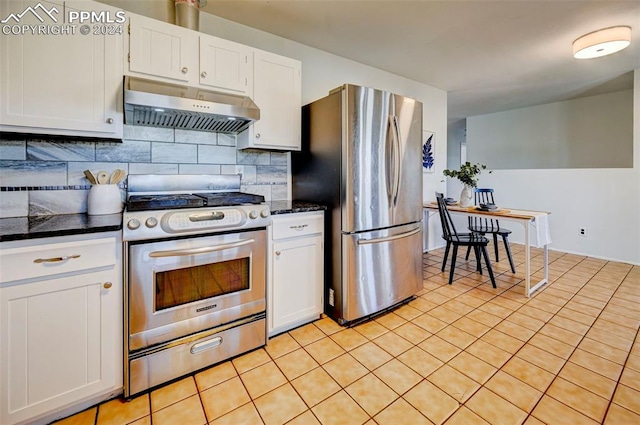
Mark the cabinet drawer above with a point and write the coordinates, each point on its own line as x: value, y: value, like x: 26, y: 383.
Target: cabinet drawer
x: 299, y: 224
x: 51, y: 259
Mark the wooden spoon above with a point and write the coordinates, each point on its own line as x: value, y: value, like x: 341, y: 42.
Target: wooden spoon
x: 117, y: 176
x: 89, y: 175
x: 102, y: 177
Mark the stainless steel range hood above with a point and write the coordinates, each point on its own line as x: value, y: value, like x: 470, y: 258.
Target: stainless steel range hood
x: 154, y: 104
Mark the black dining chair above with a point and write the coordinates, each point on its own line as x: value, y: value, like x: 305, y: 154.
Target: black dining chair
x: 472, y: 240
x: 484, y: 226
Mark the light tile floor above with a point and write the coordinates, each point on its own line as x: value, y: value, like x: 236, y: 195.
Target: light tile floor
x: 461, y: 354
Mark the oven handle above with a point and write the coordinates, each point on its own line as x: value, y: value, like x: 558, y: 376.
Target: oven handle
x: 206, y: 345
x: 203, y: 250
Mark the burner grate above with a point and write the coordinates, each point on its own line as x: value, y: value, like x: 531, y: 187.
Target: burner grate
x: 163, y: 202
x: 168, y: 202
x: 230, y: 198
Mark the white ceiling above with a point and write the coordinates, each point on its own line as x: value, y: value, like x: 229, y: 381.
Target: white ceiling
x: 490, y: 56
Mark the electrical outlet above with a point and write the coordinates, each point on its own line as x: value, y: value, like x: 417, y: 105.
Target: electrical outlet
x: 582, y: 231
x: 331, y: 298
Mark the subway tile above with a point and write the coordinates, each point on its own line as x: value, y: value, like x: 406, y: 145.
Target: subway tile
x: 227, y: 139
x: 271, y: 174
x: 43, y: 150
x: 247, y: 172
x: 14, y: 204
x: 199, y: 169
x: 279, y: 158
x: 196, y: 137
x: 151, y: 134
x: 13, y: 150
x: 48, y: 202
x: 141, y: 168
x: 216, y: 154
x: 174, y: 153
x: 228, y: 169
x: 279, y: 192
x: 253, y: 157
x: 33, y: 173
x: 127, y: 151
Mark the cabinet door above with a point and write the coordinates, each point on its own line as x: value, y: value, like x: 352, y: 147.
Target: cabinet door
x: 158, y: 49
x: 226, y: 66
x: 60, y: 84
x: 276, y: 91
x: 61, y: 340
x: 297, y: 281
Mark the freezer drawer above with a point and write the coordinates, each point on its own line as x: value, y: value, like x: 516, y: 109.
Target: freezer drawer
x: 380, y: 269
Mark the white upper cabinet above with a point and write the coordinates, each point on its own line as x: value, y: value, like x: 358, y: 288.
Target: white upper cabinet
x: 277, y: 92
x: 226, y: 66
x: 64, y: 84
x: 164, y: 52
x: 169, y: 53
x: 158, y: 49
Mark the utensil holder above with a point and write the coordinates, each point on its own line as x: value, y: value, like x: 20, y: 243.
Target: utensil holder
x: 104, y: 199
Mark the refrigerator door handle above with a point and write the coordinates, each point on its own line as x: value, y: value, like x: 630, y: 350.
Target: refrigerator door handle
x: 396, y: 158
x: 389, y: 238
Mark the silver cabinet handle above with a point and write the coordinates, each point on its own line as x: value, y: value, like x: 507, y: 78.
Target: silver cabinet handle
x: 203, y: 74
x: 107, y: 285
x: 299, y: 227
x: 56, y: 259
x: 278, y: 253
x: 203, y: 250
x: 184, y: 70
x: 109, y: 120
x: 257, y: 135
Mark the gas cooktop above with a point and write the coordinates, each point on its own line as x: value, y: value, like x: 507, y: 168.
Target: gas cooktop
x: 166, y: 206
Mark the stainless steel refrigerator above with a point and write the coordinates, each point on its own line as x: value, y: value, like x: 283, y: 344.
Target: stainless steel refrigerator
x: 361, y: 156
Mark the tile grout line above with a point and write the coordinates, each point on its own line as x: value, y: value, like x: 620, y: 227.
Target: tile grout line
x: 514, y: 354
x: 615, y: 389
x: 530, y: 414
x: 582, y: 339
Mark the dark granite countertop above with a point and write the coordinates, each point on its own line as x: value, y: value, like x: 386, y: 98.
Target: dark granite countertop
x: 45, y: 226
x: 289, y: 207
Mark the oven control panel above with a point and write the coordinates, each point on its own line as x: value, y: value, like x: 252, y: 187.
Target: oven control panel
x: 139, y: 225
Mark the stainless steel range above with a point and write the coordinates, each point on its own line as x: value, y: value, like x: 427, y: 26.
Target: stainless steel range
x: 195, y: 277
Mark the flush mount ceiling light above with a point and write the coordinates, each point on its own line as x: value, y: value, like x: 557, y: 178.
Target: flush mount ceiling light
x: 602, y: 42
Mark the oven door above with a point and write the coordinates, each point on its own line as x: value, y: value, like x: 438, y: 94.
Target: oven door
x: 182, y: 286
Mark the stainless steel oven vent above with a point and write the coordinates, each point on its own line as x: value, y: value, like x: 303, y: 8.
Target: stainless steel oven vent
x: 147, y: 116
x: 150, y: 103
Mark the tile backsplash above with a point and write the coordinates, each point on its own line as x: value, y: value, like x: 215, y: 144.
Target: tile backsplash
x: 43, y: 177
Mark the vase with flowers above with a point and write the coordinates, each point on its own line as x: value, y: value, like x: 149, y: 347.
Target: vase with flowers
x: 468, y: 175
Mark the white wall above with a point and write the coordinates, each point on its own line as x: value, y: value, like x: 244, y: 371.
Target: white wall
x: 588, y: 132
x: 606, y: 201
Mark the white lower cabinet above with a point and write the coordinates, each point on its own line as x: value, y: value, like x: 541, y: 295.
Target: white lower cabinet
x: 60, y: 325
x: 296, y: 276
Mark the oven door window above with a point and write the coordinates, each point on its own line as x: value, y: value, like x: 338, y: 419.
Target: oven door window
x: 183, y: 286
